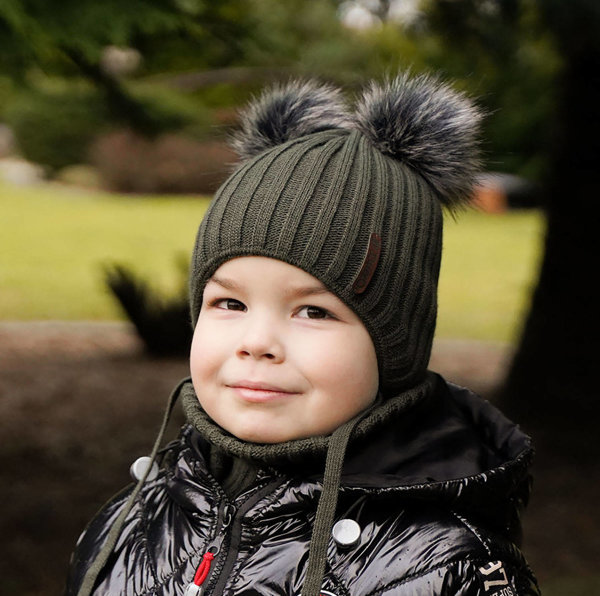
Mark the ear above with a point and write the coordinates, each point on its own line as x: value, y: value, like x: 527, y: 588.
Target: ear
x: 287, y: 112
x: 428, y: 126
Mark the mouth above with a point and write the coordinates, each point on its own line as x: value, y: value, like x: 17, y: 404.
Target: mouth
x: 259, y: 392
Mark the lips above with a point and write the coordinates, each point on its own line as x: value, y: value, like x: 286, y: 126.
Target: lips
x: 257, y: 391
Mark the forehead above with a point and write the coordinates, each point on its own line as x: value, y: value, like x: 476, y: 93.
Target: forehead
x: 264, y: 271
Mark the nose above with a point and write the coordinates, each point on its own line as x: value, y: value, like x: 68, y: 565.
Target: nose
x: 260, y: 340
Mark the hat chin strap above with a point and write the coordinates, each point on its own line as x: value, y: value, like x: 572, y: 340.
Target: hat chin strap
x: 96, y: 567
x: 317, y: 557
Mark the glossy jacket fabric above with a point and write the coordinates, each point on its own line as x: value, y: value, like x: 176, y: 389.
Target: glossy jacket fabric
x: 437, y: 496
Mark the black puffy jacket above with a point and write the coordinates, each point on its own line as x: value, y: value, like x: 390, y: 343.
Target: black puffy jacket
x: 437, y: 500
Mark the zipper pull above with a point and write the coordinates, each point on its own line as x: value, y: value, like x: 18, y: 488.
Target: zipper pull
x: 195, y: 588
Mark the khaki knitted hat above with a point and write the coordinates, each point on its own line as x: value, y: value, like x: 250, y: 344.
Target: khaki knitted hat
x: 354, y: 199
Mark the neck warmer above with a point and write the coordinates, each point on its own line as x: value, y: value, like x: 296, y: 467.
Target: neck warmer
x: 298, y: 450
x: 331, y: 448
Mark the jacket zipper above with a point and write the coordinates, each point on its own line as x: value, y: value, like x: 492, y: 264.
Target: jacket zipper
x: 220, y: 574
x: 197, y: 588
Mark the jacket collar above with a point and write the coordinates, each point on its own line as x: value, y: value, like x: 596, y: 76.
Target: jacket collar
x: 452, y: 447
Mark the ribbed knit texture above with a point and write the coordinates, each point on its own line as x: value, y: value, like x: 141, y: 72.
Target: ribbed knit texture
x: 298, y: 450
x: 314, y: 202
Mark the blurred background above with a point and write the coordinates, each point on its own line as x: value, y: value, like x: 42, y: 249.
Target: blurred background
x: 114, y: 120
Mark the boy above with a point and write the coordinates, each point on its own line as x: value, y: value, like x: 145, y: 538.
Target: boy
x: 321, y: 457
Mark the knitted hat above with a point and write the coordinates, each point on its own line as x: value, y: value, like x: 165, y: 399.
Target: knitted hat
x: 354, y: 199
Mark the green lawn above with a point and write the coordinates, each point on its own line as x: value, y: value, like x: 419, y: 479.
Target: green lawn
x: 55, y: 241
x: 489, y: 268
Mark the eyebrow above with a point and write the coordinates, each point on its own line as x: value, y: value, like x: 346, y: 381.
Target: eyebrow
x: 228, y: 284
x: 307, y: 291
x: 296, y: 292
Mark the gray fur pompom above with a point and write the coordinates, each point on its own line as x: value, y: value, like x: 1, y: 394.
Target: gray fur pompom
x: 428, y: 126
x: 287, y: 112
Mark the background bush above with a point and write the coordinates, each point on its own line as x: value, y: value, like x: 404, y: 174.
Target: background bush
x: 128, y: 162
x: 55, y: 128
x: 57, y: 123
x: 163, y: 324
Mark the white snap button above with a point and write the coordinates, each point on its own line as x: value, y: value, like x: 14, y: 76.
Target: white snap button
x: 346, y: 533
x: 140, y: 465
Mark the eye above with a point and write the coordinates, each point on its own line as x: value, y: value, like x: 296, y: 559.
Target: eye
x: 228, y: 304
x: 314, y: 312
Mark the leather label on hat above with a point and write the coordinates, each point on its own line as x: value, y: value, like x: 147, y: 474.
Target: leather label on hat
x: 369, y: 264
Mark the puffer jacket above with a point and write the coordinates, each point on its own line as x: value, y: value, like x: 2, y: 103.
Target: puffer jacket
x: 436, y: 497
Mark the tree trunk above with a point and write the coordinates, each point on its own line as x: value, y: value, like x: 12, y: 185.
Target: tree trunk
x: 551, y: 385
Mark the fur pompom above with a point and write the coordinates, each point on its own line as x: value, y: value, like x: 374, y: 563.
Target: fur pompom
x: 428, y: 126
x: 287, y: 112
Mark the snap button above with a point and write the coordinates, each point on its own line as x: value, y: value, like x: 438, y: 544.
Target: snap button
x: 140, y: 465
x: 346, y: 533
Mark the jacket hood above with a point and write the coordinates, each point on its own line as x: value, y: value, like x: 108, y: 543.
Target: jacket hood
x: 455, y: 449
x: 451, y: 436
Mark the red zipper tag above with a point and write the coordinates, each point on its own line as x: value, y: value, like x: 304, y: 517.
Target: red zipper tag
x: 203, y: 569
x: 195, y: 588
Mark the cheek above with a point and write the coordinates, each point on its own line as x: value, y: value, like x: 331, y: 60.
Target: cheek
x: 344, y: 364
x: 197, y: 350
x: 358, y: 377
x: 203, y: 354
x: 361, y: 369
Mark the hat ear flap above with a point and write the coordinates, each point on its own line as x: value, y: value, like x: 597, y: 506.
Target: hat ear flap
x: 289, y: 111
x: 428, y: 126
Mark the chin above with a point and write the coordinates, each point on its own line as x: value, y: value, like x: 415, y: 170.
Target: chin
x: 257, y: 436
x: 259, y: 433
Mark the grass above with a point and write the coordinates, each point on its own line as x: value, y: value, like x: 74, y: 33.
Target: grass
x: 56, y: 240
x: 489, y: 269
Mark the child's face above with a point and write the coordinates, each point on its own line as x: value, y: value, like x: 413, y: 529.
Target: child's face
x: 275, y: 356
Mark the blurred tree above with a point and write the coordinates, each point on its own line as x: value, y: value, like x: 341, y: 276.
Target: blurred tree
x: 551, y: 385
x: 72, y: 37
x: 499, y: 51
x: 217, y: 53
x: 503, y: 53
x: 553, y: 378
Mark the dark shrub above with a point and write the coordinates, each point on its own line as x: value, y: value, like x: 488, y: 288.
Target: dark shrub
x: 56, y: 129
x: 170, y: 163
x: 162, y: 324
